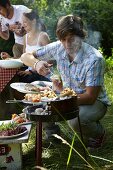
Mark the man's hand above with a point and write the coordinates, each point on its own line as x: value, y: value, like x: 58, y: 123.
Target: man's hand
x: 57, y: 82
x: 42, y: 67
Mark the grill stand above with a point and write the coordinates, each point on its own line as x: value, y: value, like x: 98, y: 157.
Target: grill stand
x: 38, y: 147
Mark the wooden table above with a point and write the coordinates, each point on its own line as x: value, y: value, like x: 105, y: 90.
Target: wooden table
x: 11, y: 150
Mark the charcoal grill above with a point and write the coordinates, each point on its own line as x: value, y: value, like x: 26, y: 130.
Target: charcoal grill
x: 58, y: 110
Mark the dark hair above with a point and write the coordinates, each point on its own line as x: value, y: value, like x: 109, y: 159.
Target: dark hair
x: 34, y: 15
x: 70, y: 24
x: 3, y: 3
x: 31, y: 15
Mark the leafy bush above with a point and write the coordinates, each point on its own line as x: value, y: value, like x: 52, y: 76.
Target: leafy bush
x: 109, y: 64
x: 98, y: 16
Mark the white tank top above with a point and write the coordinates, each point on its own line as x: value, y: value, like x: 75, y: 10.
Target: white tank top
x: 31, y: 48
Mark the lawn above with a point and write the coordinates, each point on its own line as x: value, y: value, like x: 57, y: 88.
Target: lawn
x: 55, y: 156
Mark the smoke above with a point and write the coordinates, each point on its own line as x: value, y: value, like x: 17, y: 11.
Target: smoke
x: 94, y: 38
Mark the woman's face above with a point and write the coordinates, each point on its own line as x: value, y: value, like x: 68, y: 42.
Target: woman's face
x: 27, y: 24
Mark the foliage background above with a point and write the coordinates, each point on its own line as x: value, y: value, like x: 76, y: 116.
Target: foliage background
x: 97, y: 15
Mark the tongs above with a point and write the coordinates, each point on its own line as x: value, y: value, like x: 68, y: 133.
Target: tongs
x: 14, y: 101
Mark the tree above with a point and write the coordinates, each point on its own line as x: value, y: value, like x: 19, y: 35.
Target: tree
x: 97, y: 14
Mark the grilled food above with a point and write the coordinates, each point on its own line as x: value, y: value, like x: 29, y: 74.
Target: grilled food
x: 31, y: 87
x: 68, y: 92
x: 19, y: 118
x: 10, y: 129
x: 49, y: 94
x: 32, y: 97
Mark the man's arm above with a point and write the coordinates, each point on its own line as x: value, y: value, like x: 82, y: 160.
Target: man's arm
x: 90, y: 96
x: 94, y: 81
x: 28, y: 59
x: 42, y: 67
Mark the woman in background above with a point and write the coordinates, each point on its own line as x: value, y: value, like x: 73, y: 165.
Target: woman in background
x: 35, y: 37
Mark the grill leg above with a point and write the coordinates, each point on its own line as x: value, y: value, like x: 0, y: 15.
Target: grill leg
x: 38, y: 146
x: 81, y: 135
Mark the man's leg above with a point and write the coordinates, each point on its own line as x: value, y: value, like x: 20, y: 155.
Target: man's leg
x: 51, y: 128
x: 90, y: 115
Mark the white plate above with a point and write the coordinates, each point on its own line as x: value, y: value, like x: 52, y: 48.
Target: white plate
x: 12, y: 136
x: 21, y: 86
x: 42, y: 83
x: 11, y: 63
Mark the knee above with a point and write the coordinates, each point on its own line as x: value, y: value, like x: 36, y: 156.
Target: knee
x: 73, y: 123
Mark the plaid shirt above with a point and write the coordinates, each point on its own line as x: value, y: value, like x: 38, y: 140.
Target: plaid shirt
x: 86, y: 70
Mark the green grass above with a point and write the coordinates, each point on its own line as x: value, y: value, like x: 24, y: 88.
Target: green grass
x: 55, y: 156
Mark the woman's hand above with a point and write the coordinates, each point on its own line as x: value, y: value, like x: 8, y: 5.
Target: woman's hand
x: 5, y: 55
x: 13, y: 27
x: 17, y: 29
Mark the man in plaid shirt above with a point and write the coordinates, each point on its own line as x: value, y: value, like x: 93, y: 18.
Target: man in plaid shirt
x: 81, y: 68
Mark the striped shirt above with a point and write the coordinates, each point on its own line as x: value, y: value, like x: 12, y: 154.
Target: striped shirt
x: 86, y: 70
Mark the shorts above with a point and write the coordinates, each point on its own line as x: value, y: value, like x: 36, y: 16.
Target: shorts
x: 17, y: 50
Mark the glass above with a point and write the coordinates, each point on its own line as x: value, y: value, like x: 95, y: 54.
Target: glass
x: 57, y: 82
